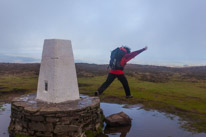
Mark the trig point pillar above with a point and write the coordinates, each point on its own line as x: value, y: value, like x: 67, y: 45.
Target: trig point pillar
x: 57, y: 78
x: 65, y: 114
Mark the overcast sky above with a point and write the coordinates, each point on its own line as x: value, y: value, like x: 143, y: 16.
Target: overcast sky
x: 173, y: 30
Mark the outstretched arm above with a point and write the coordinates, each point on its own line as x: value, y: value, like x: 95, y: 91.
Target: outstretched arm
x: 131, y: 55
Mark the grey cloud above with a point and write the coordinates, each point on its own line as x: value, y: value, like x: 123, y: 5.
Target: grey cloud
x: 174, y: 30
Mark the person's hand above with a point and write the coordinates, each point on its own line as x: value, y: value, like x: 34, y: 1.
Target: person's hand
x: 145, y: 48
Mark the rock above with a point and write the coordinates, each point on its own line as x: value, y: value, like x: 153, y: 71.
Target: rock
x: 44, y: 134
x: 18, y: 126
x: 65, y: 128
x: 37, y: 118
x: 118, y: 119
x: 52, y: 119
x: 38, y: 126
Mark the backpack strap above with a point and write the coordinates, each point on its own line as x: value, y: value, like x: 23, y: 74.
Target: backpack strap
x: 123, y: 49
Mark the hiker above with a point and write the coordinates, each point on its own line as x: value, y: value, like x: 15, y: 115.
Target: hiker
x: 118, y: 59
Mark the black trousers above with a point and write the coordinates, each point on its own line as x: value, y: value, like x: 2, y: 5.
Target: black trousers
x: 111, y: 78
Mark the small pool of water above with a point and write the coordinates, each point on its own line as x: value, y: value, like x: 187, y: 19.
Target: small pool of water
x: 5, y: 112
x: 144, y: 123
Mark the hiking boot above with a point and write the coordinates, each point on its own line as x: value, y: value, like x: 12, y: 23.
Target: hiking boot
x: 96, y: 93
x: 129, y: 96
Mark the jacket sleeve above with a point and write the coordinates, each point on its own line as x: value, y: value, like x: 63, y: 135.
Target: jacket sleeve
x: 129, y: 56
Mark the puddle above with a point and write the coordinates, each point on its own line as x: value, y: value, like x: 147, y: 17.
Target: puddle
x: 144, y: 124
x: 5, y: 112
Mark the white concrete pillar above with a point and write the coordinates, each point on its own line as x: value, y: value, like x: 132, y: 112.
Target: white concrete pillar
x: 57, y: 78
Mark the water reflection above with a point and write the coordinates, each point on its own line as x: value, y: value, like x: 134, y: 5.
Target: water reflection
x: 145, y: 123
x: 114, y: 130
x: 5, y: 112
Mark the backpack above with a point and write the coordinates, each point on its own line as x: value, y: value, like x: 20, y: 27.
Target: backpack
x: 115, y: 59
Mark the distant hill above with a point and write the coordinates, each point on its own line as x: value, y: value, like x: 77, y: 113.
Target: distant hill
x: 146, y: 72
x: 142, y: 72
x: 19, y: 68
x: 17, y: 59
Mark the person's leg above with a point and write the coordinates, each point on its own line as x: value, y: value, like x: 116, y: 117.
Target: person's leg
x: 109, y: 80
x: 124, y: 82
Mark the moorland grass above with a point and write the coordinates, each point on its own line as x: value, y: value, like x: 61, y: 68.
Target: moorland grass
x: 17, y: 84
